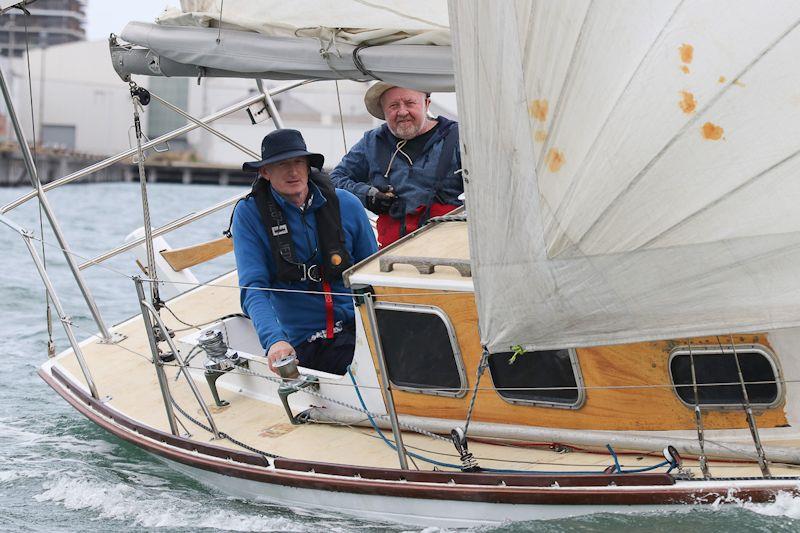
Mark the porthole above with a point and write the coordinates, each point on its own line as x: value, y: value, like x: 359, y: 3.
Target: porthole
x: 718, y: 379
x: 546, y: 377
x: 421, y: 350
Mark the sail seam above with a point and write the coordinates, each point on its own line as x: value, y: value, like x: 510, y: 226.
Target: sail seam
x: 690, y: 123
x: 570, y: 193
x: 751, y: 181
x: 568, y: 77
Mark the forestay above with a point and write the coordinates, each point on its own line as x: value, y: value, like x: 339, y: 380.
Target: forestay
x: 633, y: 167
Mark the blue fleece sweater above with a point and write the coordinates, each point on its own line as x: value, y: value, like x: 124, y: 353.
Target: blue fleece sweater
x: 365, y: 164
x: 287, y: 316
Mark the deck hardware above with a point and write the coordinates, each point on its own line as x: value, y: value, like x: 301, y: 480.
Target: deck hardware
x: 468, y: 461
x: 218, y: 361
x: 288, y: 387
x: 698, y: 421
x: 150, y: 313
x: 751, y: 421
x: 360, y: 289
x: 425, y: 265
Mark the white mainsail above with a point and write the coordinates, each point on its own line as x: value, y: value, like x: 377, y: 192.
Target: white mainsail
x: 633, y: 168
x: 356, y: 21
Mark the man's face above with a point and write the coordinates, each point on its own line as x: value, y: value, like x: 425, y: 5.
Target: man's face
x: 405, y: 111
x: 289, y: 177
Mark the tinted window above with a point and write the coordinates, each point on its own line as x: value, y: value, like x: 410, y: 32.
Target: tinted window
x: 535, y: 371
x: 418, y: 350
x: 716, y: 367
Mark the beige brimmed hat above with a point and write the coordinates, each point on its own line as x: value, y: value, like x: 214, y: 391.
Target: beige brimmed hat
x: 372, y: 99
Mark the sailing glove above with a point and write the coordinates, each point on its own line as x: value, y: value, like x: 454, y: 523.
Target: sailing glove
x: 380, y: 200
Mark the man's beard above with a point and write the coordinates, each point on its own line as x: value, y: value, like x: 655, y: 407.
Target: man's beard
x: 407, y: 129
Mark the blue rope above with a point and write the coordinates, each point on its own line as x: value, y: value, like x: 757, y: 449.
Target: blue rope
x: 493, y: 470
x: 619, y: 469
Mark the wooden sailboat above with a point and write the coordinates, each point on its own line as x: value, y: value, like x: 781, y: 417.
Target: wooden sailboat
x: 581, y: 326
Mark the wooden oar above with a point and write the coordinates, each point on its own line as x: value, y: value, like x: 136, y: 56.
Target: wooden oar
x: 190, y: 256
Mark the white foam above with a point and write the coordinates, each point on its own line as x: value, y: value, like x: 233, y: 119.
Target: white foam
x: 785, y: 504
x: 154, y: 509
x: 9, y: 475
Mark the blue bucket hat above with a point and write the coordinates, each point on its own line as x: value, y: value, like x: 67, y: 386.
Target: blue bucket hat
x: 283, y: 144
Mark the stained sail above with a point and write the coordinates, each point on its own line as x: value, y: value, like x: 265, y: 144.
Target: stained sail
x: 632, y: 167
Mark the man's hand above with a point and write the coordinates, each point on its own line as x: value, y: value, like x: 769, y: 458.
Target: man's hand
x: 380, y: 200
x: 278, y: 351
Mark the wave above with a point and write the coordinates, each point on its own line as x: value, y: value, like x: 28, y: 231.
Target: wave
x: 785, y: 504
x: 118, y: 501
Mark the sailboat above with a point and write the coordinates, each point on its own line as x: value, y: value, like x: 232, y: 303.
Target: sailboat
x: 611, y: 324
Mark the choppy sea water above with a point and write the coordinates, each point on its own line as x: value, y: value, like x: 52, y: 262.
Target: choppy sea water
x: 59, y: 472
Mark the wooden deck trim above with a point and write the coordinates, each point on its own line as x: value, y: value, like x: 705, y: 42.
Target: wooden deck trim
x: 157, y: 434
x: 101, y: 415
x: 488, y: 478
x: 189, y: 256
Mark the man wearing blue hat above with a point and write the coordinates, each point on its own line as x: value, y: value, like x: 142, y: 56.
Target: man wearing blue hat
x: 296, y: 233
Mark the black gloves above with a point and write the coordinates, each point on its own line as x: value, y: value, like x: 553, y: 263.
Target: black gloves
x: 380, y: 200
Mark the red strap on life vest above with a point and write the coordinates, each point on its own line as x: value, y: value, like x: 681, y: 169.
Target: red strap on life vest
x: 326, y: 287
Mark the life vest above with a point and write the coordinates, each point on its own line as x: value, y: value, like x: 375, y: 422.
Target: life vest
x: 330, y: 238
x: 330, y: 234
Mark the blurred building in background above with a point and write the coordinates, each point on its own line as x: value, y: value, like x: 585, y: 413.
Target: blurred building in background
x: 51, y: 22
x: 76, y: 109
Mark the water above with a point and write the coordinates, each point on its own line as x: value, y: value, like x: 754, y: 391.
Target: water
x: 59, y: 472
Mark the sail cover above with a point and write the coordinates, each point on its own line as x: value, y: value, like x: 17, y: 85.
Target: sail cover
x: 407, y: 43
x: 353, y: 21
x: 632, y: 167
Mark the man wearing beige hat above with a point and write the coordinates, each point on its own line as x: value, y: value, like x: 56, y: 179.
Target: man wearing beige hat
x: 407, y: 170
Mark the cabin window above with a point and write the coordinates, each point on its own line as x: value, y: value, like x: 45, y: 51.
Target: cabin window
x: 718, y: 379
x: 545, y: 377
x: 421, y: 350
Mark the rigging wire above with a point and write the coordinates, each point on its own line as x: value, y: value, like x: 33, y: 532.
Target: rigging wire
x: 51, y: 345
x: 341, y: 116
x: 219, y: 22
x: 137, y: 96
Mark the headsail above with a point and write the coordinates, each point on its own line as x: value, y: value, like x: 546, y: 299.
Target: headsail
x: 633, y: 167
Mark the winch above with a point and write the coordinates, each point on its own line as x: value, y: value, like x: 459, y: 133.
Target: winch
x: 291, y: 382
x: 219, y: 360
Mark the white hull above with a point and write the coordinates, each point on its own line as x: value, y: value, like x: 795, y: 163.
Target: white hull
x: 410, y: 511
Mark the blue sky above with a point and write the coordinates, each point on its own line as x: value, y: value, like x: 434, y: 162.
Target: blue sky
x: 110, y: 16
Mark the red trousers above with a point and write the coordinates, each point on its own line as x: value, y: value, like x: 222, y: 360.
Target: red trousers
x: 391, y: 229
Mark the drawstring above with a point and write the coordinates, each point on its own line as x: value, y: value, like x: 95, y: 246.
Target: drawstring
x: 400, y: 150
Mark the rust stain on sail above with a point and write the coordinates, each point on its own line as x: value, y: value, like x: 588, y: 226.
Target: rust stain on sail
x: 687, y: 53
x: 721, y: 79
x: 711, y: 131
x: 539, y: 136
x: 687, y: 102
x: 555, y: 160
x: 538, y: 109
